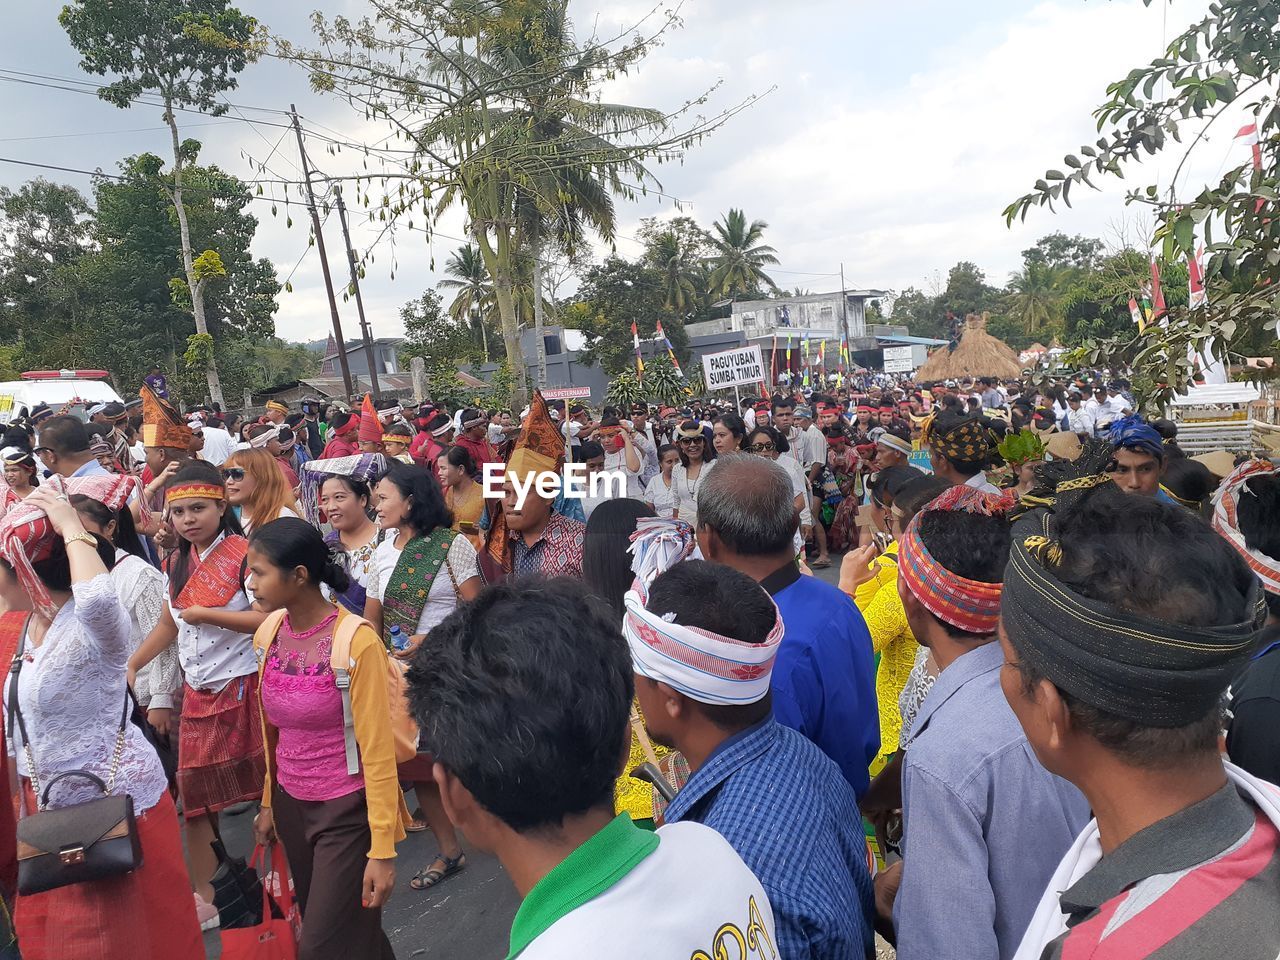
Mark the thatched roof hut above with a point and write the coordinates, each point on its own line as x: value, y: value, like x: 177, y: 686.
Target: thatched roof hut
x: 978, y: 354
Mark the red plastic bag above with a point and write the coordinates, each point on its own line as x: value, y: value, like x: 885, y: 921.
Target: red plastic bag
x: 273, y: 939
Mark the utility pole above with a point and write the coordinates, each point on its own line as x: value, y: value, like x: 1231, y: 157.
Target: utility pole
x: 324, y: 260
x: 355, y: 285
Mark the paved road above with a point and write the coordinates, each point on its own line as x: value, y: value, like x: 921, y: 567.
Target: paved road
x: 468, y: 916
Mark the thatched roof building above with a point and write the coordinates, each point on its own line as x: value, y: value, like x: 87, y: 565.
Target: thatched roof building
x: 978, y: 354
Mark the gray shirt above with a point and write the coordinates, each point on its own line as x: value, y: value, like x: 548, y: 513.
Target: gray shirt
x: 984, y: 825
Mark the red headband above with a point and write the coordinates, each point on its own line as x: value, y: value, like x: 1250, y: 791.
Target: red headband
x: 971, y: 605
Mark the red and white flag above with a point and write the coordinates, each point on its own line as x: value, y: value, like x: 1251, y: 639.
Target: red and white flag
x: 1157, y: 293
x: 1197, y: 295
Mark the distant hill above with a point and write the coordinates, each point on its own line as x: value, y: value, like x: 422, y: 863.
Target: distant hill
x: 317, y: 346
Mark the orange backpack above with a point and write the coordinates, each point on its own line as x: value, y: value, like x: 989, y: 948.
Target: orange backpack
x: 404, y: 729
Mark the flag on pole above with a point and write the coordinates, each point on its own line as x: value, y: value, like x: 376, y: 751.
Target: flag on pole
x: 1198, y: 296
x: 773, y: 361
x: 670, y: 350
x: 635, y: 339
x: 822, y: 358
x: 804, y: 358
x: 788, y: 360
x: 1249, y: 134
x: 1136, y: 312
x: 1157, y: 293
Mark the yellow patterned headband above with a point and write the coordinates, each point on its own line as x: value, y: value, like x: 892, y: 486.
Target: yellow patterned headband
x: 195, y: 491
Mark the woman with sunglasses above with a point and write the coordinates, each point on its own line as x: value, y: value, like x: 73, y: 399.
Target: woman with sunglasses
x: 257, y: 488
x: 688, y: 474
x: 769, y: 443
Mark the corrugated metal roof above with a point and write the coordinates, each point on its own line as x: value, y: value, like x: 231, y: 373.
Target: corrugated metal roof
x: 900, y: 338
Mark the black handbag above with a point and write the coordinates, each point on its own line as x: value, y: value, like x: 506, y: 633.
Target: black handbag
x: 86, y: 841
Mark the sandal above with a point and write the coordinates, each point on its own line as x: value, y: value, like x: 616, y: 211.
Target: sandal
x: 426, y: 879
x: 417, y: 824
x: 821, y: 563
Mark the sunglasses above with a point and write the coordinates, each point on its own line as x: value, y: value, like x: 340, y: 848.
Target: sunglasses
x: 233, y: 473
x: 41, y: 451
x: 692, y: 439
x: 766, y: 447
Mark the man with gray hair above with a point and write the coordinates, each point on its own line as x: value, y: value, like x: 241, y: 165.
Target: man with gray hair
x: 824, y: 676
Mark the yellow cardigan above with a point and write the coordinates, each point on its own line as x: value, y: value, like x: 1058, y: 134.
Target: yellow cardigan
x: 384, y: 799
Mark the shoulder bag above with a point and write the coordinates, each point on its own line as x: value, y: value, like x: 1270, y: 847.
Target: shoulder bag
x: 86, y: 841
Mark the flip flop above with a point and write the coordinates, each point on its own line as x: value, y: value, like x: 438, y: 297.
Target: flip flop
x: 417, y: 824
x: 821, y: 563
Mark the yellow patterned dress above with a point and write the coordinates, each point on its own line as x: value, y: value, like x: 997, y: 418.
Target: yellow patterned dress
x: 635, y: 797
x: 894, y: 644
x: 466, y: 509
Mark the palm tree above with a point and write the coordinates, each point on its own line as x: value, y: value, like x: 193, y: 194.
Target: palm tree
x: 474, y: 303
x: 1035, y: 296
x: 539, y: 157
x: 679, y: 274
x: 739, y: 261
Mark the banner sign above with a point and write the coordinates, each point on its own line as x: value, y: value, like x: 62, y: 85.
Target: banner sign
x: 898, y: 360
x: 566, y: 393
x: 731, y: 368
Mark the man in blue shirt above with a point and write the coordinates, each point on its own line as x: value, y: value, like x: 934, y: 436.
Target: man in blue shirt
x: 984, y: 824
x: 702, y: 643
x: 824, y: 677
x: 63, y: 446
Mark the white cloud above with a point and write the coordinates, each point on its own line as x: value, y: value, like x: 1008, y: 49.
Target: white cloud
x: 894, y: 138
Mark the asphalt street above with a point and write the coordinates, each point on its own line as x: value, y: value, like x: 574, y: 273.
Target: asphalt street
x: 467, y: 917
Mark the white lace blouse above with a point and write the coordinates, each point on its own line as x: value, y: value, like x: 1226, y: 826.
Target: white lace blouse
x: 141, y: 589
x: 72, y: 691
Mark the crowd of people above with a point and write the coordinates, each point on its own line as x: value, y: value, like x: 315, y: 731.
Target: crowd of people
x: 1035, y: 718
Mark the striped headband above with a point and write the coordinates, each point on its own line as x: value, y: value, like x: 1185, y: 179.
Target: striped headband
x: 894, y: 442
x: 399, y: 438
x: 703, y: 666
x: 1226, y: 520
x: 970, y: 605
x: 195, y: 491
x: 260, y: 441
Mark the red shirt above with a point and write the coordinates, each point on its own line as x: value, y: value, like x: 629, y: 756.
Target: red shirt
x: 339, y: 447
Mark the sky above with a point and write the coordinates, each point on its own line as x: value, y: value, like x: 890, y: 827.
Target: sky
x: 887, y: 138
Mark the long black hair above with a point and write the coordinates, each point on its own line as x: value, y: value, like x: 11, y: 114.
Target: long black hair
x: 290, y: 542
x: 427, y: 510
x: 606, y: 565
x: 126, y: 536
x: 205, y: 474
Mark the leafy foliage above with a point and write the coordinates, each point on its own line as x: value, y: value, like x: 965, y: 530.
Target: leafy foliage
x: 739, y: 258
x: 615, y: 293
x: 1212, y: 67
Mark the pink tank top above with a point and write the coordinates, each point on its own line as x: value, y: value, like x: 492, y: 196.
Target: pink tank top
x: 302, y: 702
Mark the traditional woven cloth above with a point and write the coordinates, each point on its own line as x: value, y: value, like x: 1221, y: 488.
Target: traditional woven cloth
x: 702, y: 665
x: 405, y: 594
x: 540, y: 446
x: 1227, y: 523
x: 27, y: 536
x: 1131, y: 433
x: 220, y: 758
x: 277, y: 406
x: 968, y: 441
x: 1150, y: 671
x: 971, y: 605
x: 215, y: 580
x: 162, y: 425
x: 658, y: 545
x: 368, y: 467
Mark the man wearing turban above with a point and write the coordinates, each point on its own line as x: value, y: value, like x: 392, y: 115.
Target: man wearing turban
x: 1124, y: 621
x: 1138, y: 458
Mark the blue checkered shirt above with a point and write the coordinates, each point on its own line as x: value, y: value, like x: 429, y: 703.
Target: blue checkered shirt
x: 784, y: 806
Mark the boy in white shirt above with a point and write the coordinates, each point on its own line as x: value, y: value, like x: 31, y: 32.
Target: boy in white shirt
x: 526, y: 708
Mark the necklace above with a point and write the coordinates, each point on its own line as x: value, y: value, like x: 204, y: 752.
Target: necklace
x: 287, y: 627
x: 692, y: 485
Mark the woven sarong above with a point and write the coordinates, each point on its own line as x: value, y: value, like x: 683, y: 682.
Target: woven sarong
x: 220, y: 757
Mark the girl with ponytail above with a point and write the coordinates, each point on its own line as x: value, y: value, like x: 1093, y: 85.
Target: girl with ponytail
x: 339, y: 827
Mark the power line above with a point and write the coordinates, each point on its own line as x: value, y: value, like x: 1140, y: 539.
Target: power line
x: 104, y: 133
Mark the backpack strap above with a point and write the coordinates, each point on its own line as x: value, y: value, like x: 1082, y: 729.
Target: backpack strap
x: 265, y: 635
x: 341, y: 662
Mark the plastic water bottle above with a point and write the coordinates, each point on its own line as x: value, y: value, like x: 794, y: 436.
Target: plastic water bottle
x: 398, y: 640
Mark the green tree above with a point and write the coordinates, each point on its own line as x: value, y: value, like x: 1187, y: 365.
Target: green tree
x: 1059, y: 251
x: 1227, y: 59
x: 439, y: 339
x: 1035, y: 296
x: 46, y: 227
x: 186, y: 52
x: 514, y: 121
x: 739, y: 258
x: 679, y: 273
x: 967, y: 291
x: 473, y: 301
x: 615, y: 293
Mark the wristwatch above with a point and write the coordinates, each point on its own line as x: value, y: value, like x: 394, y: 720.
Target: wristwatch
x: 81, y: 537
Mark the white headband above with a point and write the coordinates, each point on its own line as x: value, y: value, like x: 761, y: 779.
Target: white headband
x: 261, y: 440
x: 703, y: 666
